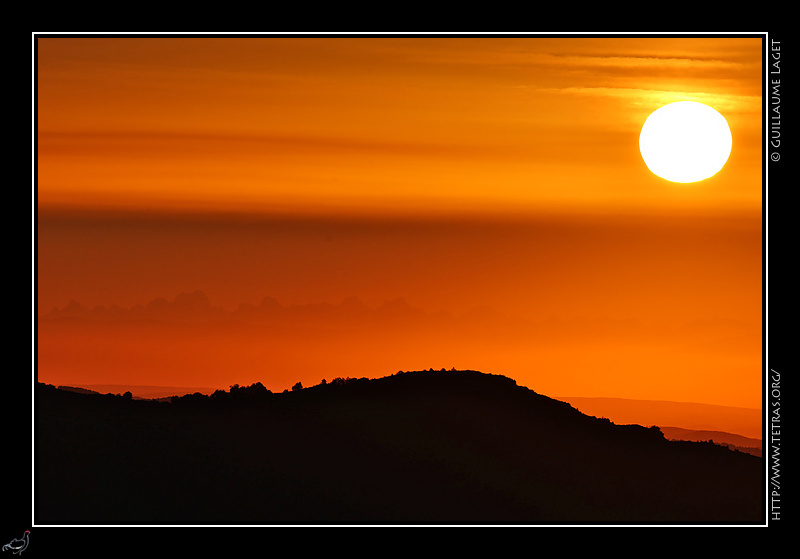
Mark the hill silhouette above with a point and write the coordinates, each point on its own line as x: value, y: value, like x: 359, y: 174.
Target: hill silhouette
x: 742, y: 444
x: 747, y: 422
x: 427, y: 447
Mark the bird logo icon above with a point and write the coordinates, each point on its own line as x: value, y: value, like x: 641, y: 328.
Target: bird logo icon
x: 17, y: 546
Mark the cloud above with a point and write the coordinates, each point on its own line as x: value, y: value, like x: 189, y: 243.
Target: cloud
x: 628, y: 61
x: 657, y: 97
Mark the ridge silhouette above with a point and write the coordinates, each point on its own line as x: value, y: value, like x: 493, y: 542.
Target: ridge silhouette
x: 424, y: 447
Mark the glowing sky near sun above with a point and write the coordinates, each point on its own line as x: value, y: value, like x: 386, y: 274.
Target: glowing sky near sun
x: 416, y: 125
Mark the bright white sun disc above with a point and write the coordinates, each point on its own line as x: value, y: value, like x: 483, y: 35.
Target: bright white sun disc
x: 685, y: 141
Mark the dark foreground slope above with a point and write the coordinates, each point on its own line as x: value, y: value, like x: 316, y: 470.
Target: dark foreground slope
x: 412, y: 448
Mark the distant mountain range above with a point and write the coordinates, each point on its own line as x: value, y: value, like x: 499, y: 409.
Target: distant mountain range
x: 425, y: 447
x: 139, y: 392
x: 196, y: 307
x: 737, y: 442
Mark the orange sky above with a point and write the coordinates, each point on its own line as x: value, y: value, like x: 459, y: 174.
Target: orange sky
x: 421, y: 125
x: 453, y: 173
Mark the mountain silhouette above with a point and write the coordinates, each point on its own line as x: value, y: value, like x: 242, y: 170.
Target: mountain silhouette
x: 743, y: 444
x: 425, y: 447
x: 699, y: 417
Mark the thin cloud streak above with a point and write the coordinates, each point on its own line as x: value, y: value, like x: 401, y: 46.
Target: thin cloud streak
x: 642, y: 96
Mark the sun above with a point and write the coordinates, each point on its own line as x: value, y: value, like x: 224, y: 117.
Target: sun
x: 685, y: 142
